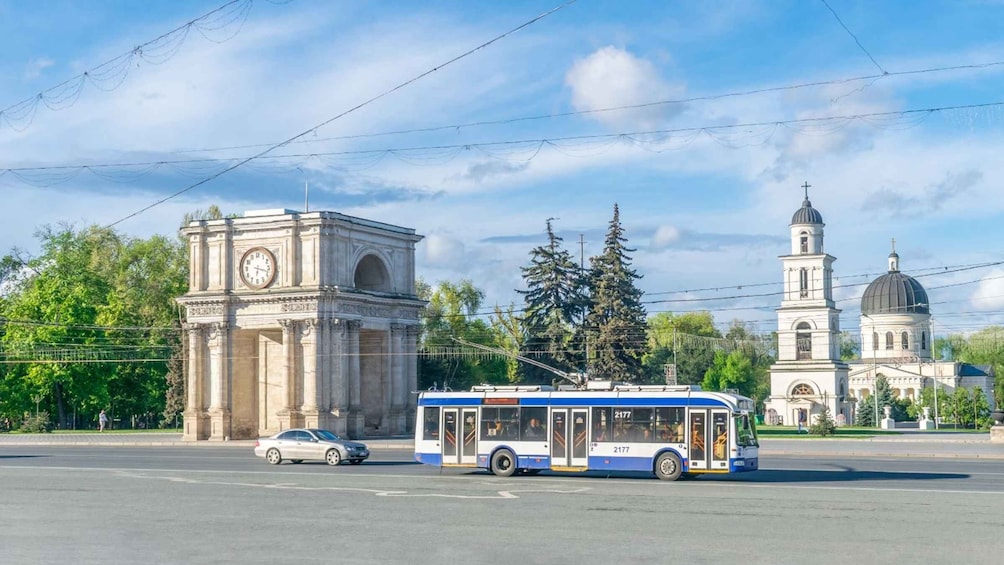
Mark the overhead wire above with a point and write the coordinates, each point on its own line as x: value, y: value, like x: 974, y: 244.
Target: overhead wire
x: 643, y: 105
x: 349, y: 111
x: 55, y: 174
x: 19, y: 116
x: 854, y: 37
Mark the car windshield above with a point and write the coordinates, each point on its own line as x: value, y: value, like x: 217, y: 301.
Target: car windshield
x: 326, y: 435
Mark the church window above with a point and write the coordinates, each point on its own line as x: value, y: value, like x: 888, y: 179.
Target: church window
x: 804, y: 242
x: 906, y: 340
x: 802, y: 390
x: 875, y: 341
x: 803, y: 341
x: 923, y: 340
x: 888, y: 340
x: 803, y: 283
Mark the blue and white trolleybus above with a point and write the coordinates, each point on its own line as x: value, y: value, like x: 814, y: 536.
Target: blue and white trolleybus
x: 667, y: 430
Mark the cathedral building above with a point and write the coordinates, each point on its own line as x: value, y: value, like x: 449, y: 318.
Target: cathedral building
x: 896, y: 337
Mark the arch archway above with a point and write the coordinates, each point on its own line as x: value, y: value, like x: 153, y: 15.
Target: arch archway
x: 371, y: 274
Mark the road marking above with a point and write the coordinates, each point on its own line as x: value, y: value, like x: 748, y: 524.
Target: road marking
x: 500, y: 495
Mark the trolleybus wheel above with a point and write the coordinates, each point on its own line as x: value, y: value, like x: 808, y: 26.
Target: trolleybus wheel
x: 503, y: 463
x: 668, y: 467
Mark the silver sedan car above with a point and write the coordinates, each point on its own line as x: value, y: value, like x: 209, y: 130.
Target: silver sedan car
x: 298, y: 445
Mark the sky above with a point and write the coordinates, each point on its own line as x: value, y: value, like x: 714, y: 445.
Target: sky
x: 691, y: 116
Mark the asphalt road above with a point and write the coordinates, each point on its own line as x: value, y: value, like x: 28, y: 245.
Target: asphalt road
x: 222, y: 505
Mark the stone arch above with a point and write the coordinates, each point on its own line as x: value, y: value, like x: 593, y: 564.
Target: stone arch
x: 808, y: 324
x: 803, y: 389
x: 371, y: 273
x: 803, y: 341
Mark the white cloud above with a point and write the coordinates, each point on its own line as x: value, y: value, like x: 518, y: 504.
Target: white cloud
x: 989, y: 295
x: 35, y: 67
x: 442, y: 250
x: 611, y: 77
x: 665, y: 235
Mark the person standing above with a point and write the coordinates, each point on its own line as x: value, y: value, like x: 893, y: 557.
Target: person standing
x: 102, y: 421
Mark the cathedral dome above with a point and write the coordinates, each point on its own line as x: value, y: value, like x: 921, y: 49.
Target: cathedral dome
x: 806, y: 214
x: 895, y: 293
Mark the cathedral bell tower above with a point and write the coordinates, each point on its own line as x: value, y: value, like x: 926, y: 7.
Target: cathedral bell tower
x: 809, y: 372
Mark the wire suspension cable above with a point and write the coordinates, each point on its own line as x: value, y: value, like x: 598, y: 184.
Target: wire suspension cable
x: 349, y: 111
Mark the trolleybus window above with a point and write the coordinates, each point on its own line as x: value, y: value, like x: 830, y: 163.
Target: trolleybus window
x: 669, y: 425
x: 431, y: 423
x: 633, y: 424
x: 533, y: 423
x: 601, y: 424
x: 744, y: 432
x: 500, y: 423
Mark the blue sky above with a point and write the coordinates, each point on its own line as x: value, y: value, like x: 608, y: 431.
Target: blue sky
x: 703, y: 208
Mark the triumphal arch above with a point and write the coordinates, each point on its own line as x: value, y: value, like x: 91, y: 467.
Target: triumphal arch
x: 300, y: 319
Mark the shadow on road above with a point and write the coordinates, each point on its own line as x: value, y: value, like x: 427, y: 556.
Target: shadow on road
x: 842, y: 475
x: 21, y: 456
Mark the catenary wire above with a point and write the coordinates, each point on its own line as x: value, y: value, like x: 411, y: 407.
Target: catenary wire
x: 346, y: 112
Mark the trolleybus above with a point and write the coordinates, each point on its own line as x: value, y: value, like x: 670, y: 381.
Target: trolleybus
x: 671, y: 431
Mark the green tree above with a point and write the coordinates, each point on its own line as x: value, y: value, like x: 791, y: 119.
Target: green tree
x: 680, y: 334
x: 824, y: 424
x: 849, y: 348
x: 452, y: 312
x: 731, y: 371
x: 866, y: 409
x: 94, y: 320
x: 616, y: 320
x: 554, y: 305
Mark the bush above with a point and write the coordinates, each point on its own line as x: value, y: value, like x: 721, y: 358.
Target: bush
x: 824, y: 424
x: 37, y: 424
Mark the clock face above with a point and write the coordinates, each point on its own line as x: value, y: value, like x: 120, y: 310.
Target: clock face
x: 257, y: 268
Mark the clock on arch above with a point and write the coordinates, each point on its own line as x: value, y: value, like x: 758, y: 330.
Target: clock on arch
x: 257, y: 268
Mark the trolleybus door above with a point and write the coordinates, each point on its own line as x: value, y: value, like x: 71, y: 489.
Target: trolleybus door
x: 468, y: 445
x: 451, y: 453
x: 709, y: 440
x: 569, y: 427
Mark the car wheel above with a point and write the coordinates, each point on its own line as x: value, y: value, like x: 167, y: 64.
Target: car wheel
x: 333, y: 457
x: 668, y: 467
x: 503, y: 463
x: 273, y: 456
x: 296, y: 461
x: 356, y: 461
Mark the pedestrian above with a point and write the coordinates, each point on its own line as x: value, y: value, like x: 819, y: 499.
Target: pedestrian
x: 102, y: 421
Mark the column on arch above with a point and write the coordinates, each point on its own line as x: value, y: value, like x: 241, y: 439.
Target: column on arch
x: 195, y: 383
x: 335, y: 375
x: 308, y: 354
x: 394, y: 392
x: 288, y: 414
x: 219, y: 345
x: 356, y: 423
x: 411, y: 374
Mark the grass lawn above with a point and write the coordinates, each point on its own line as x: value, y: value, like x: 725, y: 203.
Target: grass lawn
x: 842, y: 432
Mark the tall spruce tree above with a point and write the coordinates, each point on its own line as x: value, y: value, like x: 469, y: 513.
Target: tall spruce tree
x: 616, y: 321
x: 554, y: 305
